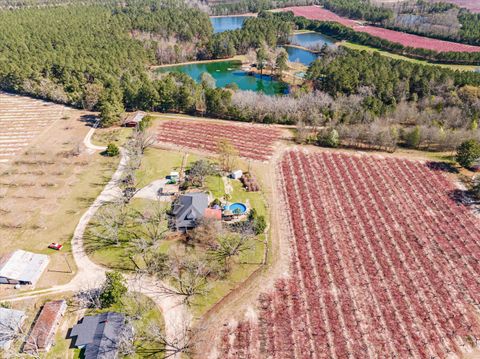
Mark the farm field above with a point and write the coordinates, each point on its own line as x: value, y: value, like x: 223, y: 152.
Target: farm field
x: 358, y: 47
x: 384, y: 264
x: 48, y: 184
x: 318, y: 13
x: 21, y: 121
x: 251, y: 141
x: 472, y: 5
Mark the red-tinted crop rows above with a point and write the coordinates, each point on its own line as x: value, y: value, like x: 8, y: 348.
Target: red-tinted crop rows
x: 318, y: 13
x: 385, y: 265
x: 251, y: 141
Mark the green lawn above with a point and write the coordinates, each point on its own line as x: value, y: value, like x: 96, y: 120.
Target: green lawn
x: 215, y: 186
x: 104, y: 136
x: 405, y: 58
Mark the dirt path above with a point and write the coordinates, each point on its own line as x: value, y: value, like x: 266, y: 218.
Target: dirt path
x: 242, y: 301
x: 176, y: 315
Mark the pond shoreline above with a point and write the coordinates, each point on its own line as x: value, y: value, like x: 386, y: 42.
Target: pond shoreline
x: 240, y: 58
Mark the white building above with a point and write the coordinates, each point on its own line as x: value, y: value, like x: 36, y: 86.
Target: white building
x: 236, y: 174
x: 21, y: 267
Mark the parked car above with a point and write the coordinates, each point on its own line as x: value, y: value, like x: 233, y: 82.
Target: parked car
x: 56, y: 246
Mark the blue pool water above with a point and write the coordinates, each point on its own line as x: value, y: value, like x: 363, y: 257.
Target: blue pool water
x: 237, y: 208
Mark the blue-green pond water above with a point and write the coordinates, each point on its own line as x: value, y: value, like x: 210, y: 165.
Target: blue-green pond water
x: 227, y: 72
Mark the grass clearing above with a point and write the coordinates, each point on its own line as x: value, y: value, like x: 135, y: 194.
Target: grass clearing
x: 116, y: 135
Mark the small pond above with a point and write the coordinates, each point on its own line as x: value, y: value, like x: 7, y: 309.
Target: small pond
x: 300, y: 55
x: 309, y: 39
x: 227, y: 72
x: 226, y: 23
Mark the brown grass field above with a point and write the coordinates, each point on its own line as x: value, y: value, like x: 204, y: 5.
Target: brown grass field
x: 47, y: 182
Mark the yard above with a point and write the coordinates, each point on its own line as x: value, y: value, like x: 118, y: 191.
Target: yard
x: 156, y: 164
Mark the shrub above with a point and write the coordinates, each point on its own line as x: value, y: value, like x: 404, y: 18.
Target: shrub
x: 145, y: 123
x: 328, y: 138
x: 413, y: 138
x: 113, y: 289
x: 468, y: 152
x: 112, y: 150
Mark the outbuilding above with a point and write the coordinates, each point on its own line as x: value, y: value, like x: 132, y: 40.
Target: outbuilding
x: 22, y: 267
x: 42, y: 335
x: 11, y: 322
x: 236, y: 174
x: 133, y: 119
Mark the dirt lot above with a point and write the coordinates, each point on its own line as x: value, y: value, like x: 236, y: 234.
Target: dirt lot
x: 49, y: 182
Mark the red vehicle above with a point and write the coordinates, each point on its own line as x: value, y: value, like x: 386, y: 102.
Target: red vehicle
x: 56, y: 246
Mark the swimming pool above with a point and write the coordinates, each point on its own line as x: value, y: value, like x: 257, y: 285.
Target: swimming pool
x: 237, y: 208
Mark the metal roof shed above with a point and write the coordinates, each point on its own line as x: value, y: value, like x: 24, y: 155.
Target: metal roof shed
x: 21, y: 267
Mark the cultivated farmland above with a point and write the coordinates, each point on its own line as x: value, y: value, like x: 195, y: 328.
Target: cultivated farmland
x: 318, y: 13
x: 21, y: 121
x: 252, y: 141
x: 385, y: 264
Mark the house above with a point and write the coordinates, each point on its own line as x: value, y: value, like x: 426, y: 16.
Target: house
x: 133, y: 119
x: 21, y: 267
x: 236, y: 174
x: 189, y: 209
x: 101, y: 335
x: 11, y: 322
x: 42, y: 335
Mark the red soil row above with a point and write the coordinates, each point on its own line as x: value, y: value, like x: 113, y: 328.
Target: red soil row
x: 318, y: 13
x: 252, y: 141
x: 385, y: 265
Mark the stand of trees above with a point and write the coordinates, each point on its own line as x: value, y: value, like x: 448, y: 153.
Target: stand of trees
x: 358, y: 9
x: 246, y: 6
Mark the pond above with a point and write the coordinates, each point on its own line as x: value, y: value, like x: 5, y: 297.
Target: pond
x: 227, y: 72
x: 310, y: 39
x: 300, y: 55
x: 225, y: 23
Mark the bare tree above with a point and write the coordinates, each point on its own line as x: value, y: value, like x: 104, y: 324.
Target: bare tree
x: 88, y: 298
x: 188, y: 278
x: 183, y: 343
x: 143, y: 140
x: 110, y: 223
x: 228, y: 155
x: 230, y: 245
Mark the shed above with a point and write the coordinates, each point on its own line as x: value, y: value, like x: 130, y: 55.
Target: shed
x: 21, y: 267
x: 133, y: 119
x: 101, y: 335
x: 213, y: 213
x: 11, y: 322
x: 189, y: 209
x: 43, y: 332
x: 236, y: 174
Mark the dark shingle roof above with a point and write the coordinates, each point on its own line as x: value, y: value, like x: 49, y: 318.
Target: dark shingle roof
x: 100, y: 335
x: 189, y: 208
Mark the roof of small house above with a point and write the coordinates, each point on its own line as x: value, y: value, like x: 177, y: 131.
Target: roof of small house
x: 134, y: 117
x: 46, y: 325
x: 99, y: 334
x: 213, y: 213
x: 23, y: 266
x: 10, y: 322
x: 189, y: 208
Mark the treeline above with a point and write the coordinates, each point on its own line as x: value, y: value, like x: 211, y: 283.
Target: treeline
x: 252, y: 6
x: 341, y: 32
x: 73, y: 54
x: 358, y: 9
x: 266, y: 29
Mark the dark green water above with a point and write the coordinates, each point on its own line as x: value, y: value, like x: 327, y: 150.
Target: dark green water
x: 227, y: 72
